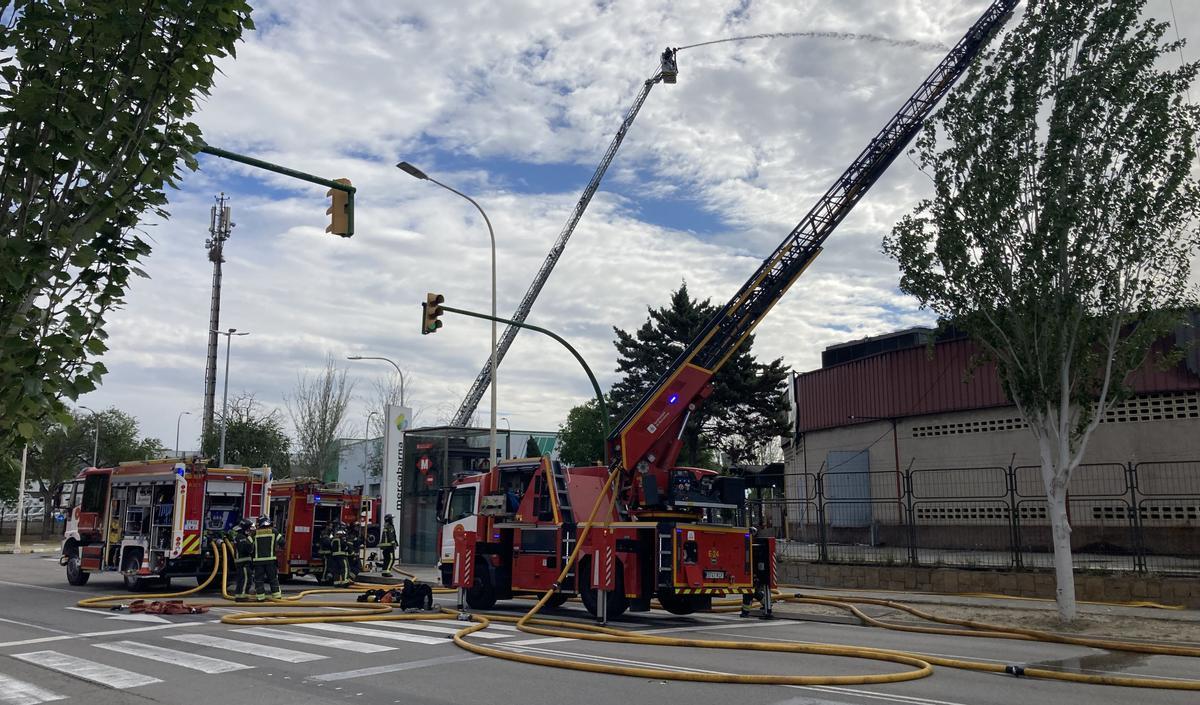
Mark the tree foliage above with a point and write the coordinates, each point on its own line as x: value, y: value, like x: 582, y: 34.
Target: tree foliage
x: 1062, y: 224
x: 318, y: 411
x: 581, y: 438
x: 254, y: 437
x: 60, y: 451
x: 748, y: 407
x: 95, y: 99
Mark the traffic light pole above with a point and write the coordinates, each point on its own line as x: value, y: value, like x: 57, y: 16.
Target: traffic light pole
x: 564, y: 343
x: 268, y: 166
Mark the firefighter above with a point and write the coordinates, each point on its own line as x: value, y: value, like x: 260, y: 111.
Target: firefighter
x: 354, y: 537
x: 266, y: 541
x: 243, y: 562
x: 339, y: 553
x: 323, y: 551
x: 387, y: 544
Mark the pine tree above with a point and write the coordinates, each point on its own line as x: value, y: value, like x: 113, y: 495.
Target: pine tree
x: 748, y: 407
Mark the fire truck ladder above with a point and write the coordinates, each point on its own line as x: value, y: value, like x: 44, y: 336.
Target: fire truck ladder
x: 726, y: 330
x: 560, y: 493
x: 667, y: 73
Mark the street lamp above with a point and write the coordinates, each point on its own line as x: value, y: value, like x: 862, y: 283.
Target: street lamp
x: 225, y: 396
x: 96, y: 434
x: 387, y: 360
x: 417, y: 173
x: 507, y: 437
x: 177, y: 420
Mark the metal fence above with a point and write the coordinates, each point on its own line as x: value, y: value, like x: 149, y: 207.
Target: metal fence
x: 1142, y: 517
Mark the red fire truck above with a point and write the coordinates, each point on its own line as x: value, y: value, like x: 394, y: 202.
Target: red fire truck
x: 302, y: 508
x: 152, y: 521
x: 675, y: 533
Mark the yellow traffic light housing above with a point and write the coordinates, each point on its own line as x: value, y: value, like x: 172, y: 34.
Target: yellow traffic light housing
x: 339, y: 211
x: 431, y: 312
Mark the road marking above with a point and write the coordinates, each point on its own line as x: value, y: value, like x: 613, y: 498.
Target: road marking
x: 15, y: 692
x: 38, y: 640
x: 391, y: 668
x: 437, y: 628
x: 42, y: 587
x: 131, y: 630
x: 361, y: 647
x: 246, y: 647
x: 35, y: 626
x: 99, y: 673
x: 204, y: 664
x: 375, y: 633
x: 127, y: 617
x: 541, y: 640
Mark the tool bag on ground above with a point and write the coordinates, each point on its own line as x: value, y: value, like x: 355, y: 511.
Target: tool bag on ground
x: 415, y: 595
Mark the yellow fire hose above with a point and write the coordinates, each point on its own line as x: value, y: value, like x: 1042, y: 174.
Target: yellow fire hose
x: 921, y: 665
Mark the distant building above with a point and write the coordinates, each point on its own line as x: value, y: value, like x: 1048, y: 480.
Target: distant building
x: 357, y: 458
x: 907, y: 405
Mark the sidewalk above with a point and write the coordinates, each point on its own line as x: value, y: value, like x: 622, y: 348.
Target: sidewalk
x: 1107, y: 620
x: 31, y: 547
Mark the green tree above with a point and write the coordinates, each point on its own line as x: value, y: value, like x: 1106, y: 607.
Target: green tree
x: 1061, y: 228
x: 254, y: 437
x: 318, y: 410
x: 748, y: 406
x: 94, y: 105
x: 581, y: 438
x: 62, y: 450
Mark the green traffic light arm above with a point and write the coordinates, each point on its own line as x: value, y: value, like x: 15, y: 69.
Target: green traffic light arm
x: 268, y: 166
x: 565, y: 344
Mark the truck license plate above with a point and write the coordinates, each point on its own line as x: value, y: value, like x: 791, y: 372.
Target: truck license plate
x: 714, y: 575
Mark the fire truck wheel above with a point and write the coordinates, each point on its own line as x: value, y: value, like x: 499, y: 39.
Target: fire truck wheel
x: 616, y: 601
x: 482, y: 593
x: 558, y: 599
x: 132, y: 582
x: 75, y: 574
x: 677, y: 604
x: 372, y: 537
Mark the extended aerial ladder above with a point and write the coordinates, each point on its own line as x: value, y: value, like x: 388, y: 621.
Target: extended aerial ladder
x: 668, y: 71
x: 647, y: 441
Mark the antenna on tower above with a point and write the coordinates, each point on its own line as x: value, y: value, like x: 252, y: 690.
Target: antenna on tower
x: 220, y: 226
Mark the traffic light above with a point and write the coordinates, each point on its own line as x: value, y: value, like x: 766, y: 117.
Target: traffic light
x: 339, y: 210
x: 431, y: 311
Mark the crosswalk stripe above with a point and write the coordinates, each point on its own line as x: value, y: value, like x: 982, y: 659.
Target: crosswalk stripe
x: 245, y: 647
x: 375, y: 633
x: 438, y: 628
x: 204, y: 664
x: 110, y: 676
x: 361, y: 647
x: 392, y: 668
x: 15, y: 692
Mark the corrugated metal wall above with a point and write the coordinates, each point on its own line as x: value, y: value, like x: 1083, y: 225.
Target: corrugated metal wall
x: 920, y: 381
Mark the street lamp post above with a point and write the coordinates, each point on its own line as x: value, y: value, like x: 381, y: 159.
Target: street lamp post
x: 95, y: 435
x: 415, y: 172
x: 387, y: 360
x: 177, y: 420
x: 225, y: 395
x: 507, y: 437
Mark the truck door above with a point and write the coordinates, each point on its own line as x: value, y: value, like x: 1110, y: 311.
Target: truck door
x: 462, y: 509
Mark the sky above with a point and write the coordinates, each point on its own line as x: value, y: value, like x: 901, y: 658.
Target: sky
x: 514, y: 104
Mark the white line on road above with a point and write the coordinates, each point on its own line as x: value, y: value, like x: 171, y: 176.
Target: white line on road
x: 375, y: 633
x: 392, y: 667
x: 204, y: 664
x: 110, y: 632
x: 437, y: 628
x: 246, y: 647
x: 41, y: 587
x: 361, y: 647
x: 34, y: 626
x: 15, y: 692
x: 110, y: 676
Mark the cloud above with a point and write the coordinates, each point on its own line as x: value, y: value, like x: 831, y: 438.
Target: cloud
x: 482, y: 95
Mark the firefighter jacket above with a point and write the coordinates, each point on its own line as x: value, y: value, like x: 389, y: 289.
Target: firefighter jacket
x: 266, y: 541
x: 389, y: 536
x: 243, y: 548
x: 339, y: 546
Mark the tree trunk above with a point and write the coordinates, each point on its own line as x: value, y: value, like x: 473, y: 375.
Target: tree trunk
x: 1055, y: 476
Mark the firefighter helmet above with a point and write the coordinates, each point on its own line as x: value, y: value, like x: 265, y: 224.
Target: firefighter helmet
x: 388, y: 517
x: 264, y: 522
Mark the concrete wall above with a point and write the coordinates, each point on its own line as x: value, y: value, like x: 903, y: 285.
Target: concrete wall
x: 1098, y: 588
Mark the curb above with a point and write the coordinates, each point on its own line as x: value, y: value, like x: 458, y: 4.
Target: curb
x: 10, y: 551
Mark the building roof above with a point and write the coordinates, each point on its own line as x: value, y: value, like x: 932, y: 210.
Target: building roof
x: 920, y: 380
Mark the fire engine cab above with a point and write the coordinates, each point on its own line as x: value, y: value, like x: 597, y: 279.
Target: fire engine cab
x: 303, y: 508
x: 153, y: 520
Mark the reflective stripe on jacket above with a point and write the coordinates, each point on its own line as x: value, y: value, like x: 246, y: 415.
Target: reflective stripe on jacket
x: 244, y: 549
x: 264, y: 545
x: 389, y: 537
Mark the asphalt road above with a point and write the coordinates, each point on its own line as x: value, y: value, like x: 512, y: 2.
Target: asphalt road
x: 51, y: 651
